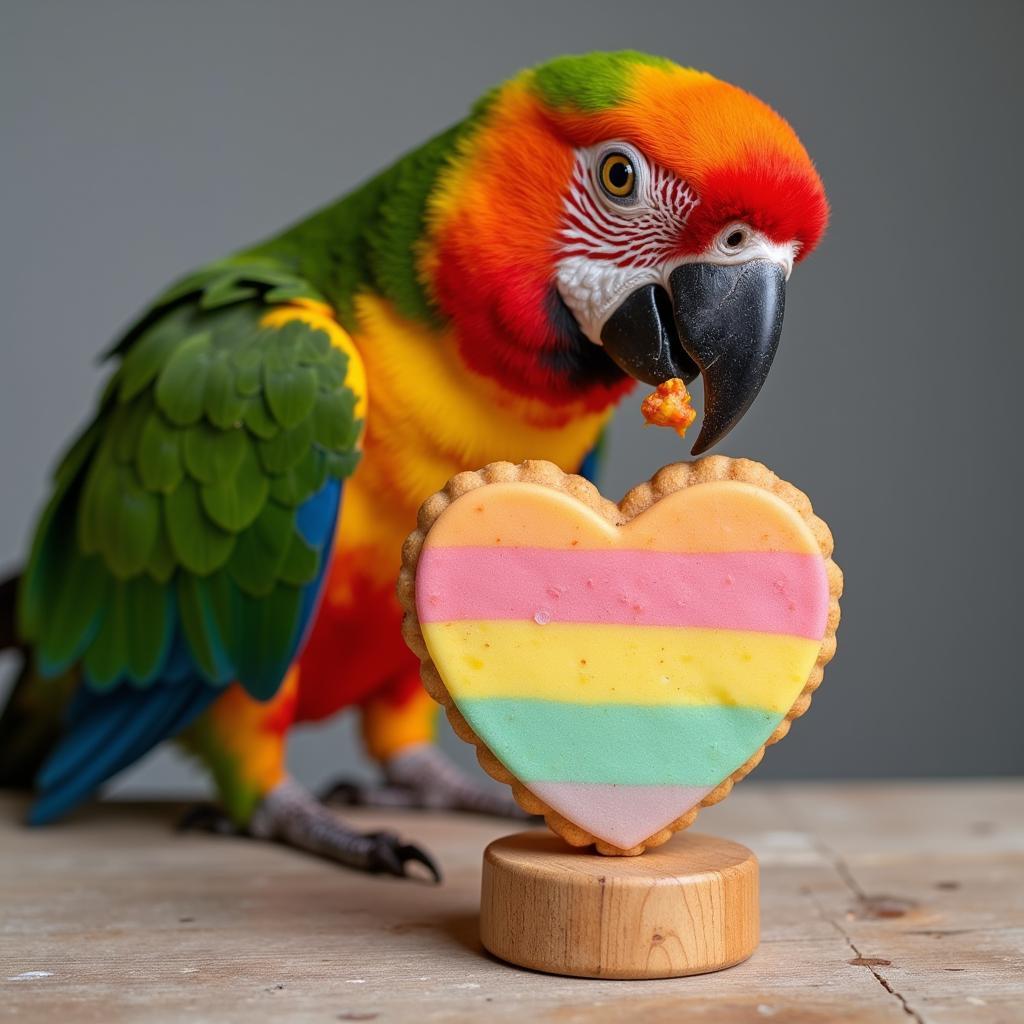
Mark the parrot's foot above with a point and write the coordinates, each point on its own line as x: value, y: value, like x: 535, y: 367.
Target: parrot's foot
x: 424, y: 777
x: 290, y: 815
x: 208, y: 818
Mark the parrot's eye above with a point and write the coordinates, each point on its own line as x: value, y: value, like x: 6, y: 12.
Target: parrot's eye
x: 617, y: 176
x: 735, y: 238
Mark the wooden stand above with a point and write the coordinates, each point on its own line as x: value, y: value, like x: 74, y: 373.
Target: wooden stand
x: 688, y: 907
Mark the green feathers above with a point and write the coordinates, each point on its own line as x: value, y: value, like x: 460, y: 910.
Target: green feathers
x: 370, y: 238
x: 591, y: 81
x: 174, y: 514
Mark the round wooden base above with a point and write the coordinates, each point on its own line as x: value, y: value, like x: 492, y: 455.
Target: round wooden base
x: 688, y: 907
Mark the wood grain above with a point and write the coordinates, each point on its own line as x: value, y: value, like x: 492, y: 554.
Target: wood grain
x: 688, y: 907
x: 881, y: 902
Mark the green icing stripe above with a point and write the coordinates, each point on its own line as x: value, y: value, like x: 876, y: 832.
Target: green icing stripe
x: 631, y: 745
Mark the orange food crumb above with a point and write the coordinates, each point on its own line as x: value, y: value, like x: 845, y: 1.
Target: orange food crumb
x: 669, y: 406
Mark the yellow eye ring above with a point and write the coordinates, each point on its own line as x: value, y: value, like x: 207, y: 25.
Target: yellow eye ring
x: 618, y: 178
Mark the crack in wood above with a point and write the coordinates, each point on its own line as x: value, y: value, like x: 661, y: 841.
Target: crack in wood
x: 907, y: 1008
x: 842, y: 869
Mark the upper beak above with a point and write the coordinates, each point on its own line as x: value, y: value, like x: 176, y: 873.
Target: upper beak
x: 723, y: 321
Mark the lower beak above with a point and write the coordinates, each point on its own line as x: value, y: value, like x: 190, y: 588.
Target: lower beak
x: 723, y: 321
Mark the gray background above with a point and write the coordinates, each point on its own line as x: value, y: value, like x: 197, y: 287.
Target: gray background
x: 140, y: 139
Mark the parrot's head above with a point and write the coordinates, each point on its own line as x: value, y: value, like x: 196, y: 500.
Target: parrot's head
x: 615, y: 217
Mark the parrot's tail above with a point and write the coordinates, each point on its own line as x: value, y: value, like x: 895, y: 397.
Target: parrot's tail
x: 28, y: 728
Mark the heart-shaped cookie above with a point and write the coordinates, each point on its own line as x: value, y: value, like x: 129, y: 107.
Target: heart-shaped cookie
x: 620, y: 665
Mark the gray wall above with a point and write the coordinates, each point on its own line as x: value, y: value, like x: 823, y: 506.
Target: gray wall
x: 140, y: 138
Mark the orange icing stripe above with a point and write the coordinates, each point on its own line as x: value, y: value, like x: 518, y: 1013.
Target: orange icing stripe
x: 719, y: 516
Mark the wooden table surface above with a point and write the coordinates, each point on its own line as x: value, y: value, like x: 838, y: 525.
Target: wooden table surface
x: 880, y: 902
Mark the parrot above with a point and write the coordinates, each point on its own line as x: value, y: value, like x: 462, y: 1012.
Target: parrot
x: 216, y: 562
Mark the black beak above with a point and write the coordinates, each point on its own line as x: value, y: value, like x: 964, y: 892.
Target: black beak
x: 723, y: 321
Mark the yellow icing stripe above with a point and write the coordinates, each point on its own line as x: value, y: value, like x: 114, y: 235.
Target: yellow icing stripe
x: 722, y: 515
x: 317, y: 315
x: 611, y: 664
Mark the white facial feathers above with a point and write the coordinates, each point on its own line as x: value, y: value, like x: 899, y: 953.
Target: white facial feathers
x: 611, y: 243
x: 631, y: 230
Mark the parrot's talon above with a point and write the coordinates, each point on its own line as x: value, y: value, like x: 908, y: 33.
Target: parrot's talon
x: 389, y: 855
x: 289, y: 814
x: 345, y: 793
x: 341, y: 794
x: 207, y: 818
x: 423, y: 777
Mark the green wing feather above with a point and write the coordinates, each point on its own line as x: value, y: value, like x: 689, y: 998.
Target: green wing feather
x: 173, y: 515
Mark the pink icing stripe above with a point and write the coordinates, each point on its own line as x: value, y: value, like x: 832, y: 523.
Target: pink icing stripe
x: 621, y: 815
x: 767, y: 592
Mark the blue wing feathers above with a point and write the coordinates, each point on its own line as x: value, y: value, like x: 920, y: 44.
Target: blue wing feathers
x: 593, y: 461
x: 259, y: 671
x: 316, y: 517
x: 96, y: 724
x: 88, y: 755
x: 317, y: 521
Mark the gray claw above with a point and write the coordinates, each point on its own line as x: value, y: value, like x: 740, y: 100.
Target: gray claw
x: 341, y: 794
x: 389, y: 855
x: 345, y: 793
x: 207, y: 818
